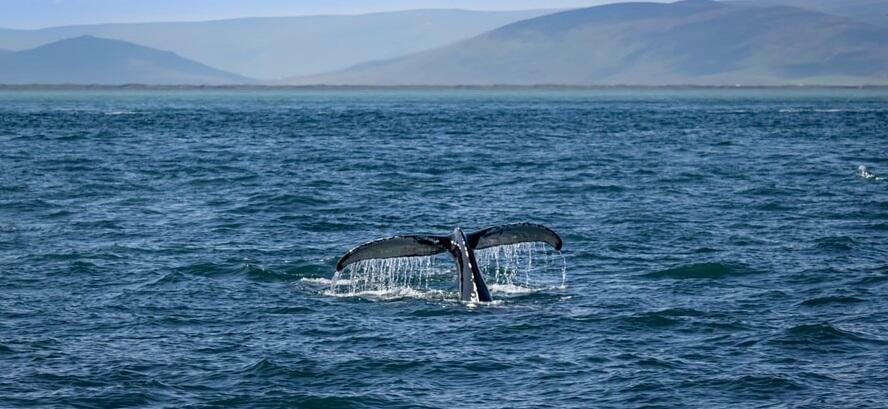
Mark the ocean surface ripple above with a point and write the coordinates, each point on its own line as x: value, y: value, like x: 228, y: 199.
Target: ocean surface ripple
x: 174, y: 249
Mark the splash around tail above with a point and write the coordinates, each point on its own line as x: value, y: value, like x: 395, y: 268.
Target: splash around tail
x: 461, y: 246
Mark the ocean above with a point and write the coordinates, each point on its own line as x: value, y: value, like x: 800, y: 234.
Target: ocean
x: 176, y: 248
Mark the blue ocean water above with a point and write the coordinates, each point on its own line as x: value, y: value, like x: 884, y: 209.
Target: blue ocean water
x: 174, y: 248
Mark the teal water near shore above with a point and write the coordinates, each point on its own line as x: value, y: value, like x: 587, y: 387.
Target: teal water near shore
x: 173, y: 248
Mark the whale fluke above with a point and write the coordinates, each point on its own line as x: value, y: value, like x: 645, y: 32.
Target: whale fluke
x: 461, y: 246
x: 393, y: 247
x: 513, y: 234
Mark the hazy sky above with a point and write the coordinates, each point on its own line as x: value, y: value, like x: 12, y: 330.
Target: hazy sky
x: 46, y: 13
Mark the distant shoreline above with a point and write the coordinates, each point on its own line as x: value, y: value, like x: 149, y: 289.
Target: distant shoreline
x: 130, y: 87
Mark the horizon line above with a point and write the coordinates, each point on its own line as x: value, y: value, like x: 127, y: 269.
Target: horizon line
x: 260, y: 87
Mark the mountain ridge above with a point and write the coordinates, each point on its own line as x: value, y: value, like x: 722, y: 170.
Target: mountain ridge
x: 869, y: 11
x: 695, y: 42
x: 89, y: 60
x: 272, y: 48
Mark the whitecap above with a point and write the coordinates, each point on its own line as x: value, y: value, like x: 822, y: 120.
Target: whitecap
x: 389, y: 294
x: 863, y: 172
x: 509, y: 289
x: 320, y: 281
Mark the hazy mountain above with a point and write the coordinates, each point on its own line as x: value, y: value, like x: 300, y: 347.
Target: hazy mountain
x: 90, y: 60
x: 274, y: 48
x: 691, y: 42
x: 870, y: 11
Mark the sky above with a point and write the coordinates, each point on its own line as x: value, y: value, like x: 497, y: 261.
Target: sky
x: 30, y: 14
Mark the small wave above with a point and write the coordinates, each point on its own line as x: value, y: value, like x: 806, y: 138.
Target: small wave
x: 758, y: 385
x: 319, y: 280
x: 258, y: 273
x: 651, y: 362
x: 652, y: 320
x: 681, y: 312
x: 874, y: 279
x: 168, y: 279
x: 699, y: 271
x: 838, y: 243
x: 766, y: 191
x: 263, y: 367
x: 9, y: 228
x: 818, y: 334
x: 83, y: 267
x: 596, y: 188
x: 305, y: 269
x: 206, y: 269
x: 818, y: 110
x: 662, y: 318
x: 249, y: 270
x: 816, y: 330
x: 291, y: 310
x: 286, y: 201
x: 439, y: 311
x: 116, y: 113
x: 773, y: 207
x: 819, y: 301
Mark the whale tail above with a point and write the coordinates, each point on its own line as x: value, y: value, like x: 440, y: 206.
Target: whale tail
x: 460, y: 246
x: 428, y: 245
x: 394, y: 247
x: 513, y: 234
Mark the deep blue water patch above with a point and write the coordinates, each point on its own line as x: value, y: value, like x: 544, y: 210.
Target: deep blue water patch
x: 169, y: 248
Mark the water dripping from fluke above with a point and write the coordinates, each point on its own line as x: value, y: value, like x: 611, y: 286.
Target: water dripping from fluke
x: 510, y: 271
x: 506, y: 261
